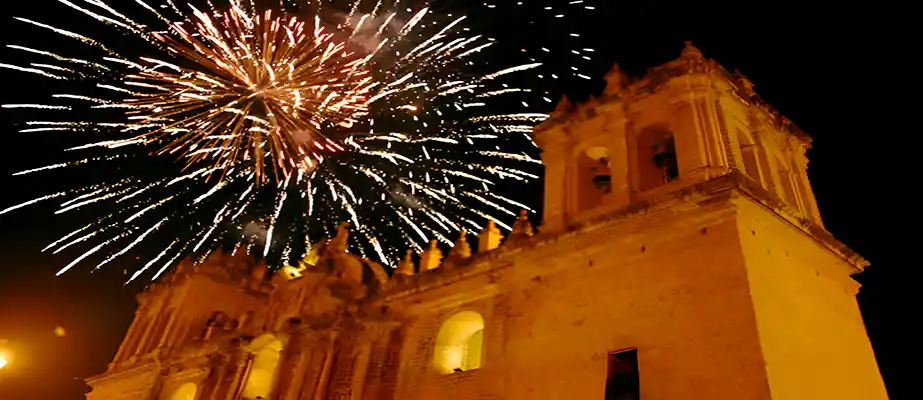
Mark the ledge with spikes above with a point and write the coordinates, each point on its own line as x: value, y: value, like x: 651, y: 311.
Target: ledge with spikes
x: 434, y: 265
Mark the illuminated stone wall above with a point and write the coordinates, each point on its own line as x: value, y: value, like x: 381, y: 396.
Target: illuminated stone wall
x: 811, y: 333
x: 672, y: 285
x: 678, y: 221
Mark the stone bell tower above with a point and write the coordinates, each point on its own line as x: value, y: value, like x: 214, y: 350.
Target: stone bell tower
x: 688, y: 137
x: 686, y: 122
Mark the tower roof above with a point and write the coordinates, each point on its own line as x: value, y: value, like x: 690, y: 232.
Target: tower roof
x: 691, y: 61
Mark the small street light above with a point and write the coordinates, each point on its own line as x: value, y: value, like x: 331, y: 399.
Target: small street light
x: 5, y: 355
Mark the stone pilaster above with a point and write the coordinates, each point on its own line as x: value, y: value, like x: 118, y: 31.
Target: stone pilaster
x: 318, y: 369
x: 382, y: 367
x: 292, y: 365
x: 362, y: 354
x: 124, y: 351
x: 339, y: 385
x: 231, y: 383
x: 217, y: 368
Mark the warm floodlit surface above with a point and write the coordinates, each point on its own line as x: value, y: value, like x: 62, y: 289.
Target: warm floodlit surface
x: 267, y: 351
x: 460, y: 343
x: 185, y: 392
x: 4, y: 359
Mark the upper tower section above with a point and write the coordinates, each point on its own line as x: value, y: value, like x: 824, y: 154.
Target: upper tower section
x: 685, y: 122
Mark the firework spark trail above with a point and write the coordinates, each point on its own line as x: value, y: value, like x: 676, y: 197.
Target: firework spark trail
x: 32, y: 70
x: 39, y: 106
x: 235, y: 93
x: 152, y: 262
x: 69, y: 34
x: 275, y: 216
x: 89, y: 253
x: 139, y: 239
x: 60, y: 58
x: 68, y: 236
x: 31, y: 202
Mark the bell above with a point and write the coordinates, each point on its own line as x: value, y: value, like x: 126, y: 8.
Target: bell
x: 603, y: 182
x: 666, y: 162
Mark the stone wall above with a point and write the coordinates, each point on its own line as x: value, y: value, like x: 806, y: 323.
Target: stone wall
x: 810, y: 330
x: 671, y: 284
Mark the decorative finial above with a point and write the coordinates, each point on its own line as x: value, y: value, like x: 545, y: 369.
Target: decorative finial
x: 615, y: 80
x: 461, y: 248
x: 406, y: 267
x: 489, y: 238
x: 691, y: 51
x: 340, y: 242
x: 522, y: 225
x: 745, y: 83
x: 431, y: 258
x: 258, y: 273
x: 564, y: 106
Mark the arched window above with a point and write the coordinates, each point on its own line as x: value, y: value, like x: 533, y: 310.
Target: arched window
x: 460, y: 343
x: 185, y: 392
x: 267, y: 352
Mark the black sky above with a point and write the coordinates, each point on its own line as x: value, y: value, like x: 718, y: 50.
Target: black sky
x: 845, y: 74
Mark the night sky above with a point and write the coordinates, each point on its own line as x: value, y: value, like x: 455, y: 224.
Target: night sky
x: 846, y: 76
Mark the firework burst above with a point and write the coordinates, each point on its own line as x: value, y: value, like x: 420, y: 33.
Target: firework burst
x: 259, y: 84
x: 375, y: 119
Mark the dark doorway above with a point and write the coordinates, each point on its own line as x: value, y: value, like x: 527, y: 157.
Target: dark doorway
x: 622, y: 381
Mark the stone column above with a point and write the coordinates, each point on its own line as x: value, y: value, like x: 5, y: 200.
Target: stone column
x: 292, y: 366
x: 801, y: 171
x: 217, y: 368
x: 716, y: 135
x: 556, y: 155
x: 231, y: 383
x: 379, y: 368
x: 619, y: 168
x: 764, y: 159
x: 157, y: 386
x: 124, y: 350
x: 318, y: 371
x: 343, y: 358
x: 362, y: 359
x: 164, y: 341
x: 312, y: 364
x: 730, y: 142
x: 689, y: 140
x: 153, y: 320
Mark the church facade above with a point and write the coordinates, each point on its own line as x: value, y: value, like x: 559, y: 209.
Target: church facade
x: 681, y: 256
